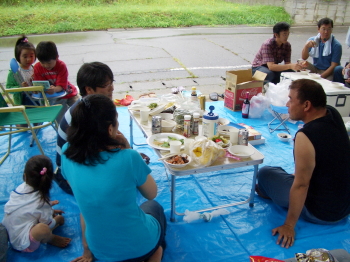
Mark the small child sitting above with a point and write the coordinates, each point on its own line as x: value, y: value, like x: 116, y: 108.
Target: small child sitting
x: 55, y: 71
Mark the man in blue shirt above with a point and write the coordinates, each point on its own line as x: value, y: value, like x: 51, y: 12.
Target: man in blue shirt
x: 325, y: 50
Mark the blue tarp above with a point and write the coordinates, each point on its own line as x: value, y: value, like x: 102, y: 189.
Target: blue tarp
x: 233, y: 237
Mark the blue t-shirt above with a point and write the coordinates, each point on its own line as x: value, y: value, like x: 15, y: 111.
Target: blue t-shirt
x: 324, y: 62
x: 116, y: 228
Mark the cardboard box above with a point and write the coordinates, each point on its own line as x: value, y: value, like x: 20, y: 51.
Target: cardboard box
x: 238, y: 83
x: 253, y: 133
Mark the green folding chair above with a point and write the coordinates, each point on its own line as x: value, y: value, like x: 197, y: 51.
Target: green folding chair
x: 16, y: 119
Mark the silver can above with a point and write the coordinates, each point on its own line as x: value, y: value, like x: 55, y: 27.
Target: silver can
x: 243, y: 137
x: 156, y: 124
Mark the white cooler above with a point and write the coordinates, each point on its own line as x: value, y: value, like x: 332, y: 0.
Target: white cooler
x: 339, y: 98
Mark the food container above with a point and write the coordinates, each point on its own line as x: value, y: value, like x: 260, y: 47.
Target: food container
x: 156, y: 124
x: 210, y: 123
x: 168, y: 125
x: 284, y: 137
x: 178, y: 156
x: 241, y: 151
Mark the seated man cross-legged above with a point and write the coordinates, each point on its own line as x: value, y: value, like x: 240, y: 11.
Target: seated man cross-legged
x: 274, y: 51
x: 319, y: 189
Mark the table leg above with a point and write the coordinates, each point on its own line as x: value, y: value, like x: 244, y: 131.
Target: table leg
x: 252, y: 192
x: 172, y: 199
x: 131, y: 133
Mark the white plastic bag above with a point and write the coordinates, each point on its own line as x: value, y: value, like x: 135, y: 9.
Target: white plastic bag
x: 347, y: 39
x: 258, y: 104
x: 278, y: 94
x: 204, y: 152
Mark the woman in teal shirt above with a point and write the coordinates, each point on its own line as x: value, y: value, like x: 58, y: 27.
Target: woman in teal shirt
x: 106, y: 176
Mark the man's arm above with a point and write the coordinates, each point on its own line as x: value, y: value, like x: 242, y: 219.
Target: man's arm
x: 307, y: 46
x: 304, y: 166
x: 278, y: 68
x: 329, y: 71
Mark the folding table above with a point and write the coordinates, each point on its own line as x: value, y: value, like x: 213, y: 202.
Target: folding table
x: 220, y: 164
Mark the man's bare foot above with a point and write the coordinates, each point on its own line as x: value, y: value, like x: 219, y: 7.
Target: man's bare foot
x: 86, y: 257
x: 157, y: 256
x: 54, y: 202
x: 59, y: 241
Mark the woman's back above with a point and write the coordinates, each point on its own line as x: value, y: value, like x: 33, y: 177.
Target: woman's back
x: 116, y: 228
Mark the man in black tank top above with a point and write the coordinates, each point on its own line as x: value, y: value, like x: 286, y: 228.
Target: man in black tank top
x: 319, y: 189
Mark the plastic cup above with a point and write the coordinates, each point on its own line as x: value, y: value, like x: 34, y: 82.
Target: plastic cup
x: 175, y: 147
x: 234, y: 136
x: 188, y: 144
x: 144, y: 113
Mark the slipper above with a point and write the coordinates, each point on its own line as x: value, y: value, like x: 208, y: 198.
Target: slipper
x: 145, y: 158
x: 213, y: 96
x: 222, y: 96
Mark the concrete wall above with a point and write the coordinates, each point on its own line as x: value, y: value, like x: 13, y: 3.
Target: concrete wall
x: 310, y: 11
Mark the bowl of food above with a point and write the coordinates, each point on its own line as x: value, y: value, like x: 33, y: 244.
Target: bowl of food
x: 223, y: 121
x: 284, y: 137
x: 241, y: 151
x: 304, y: 71
x: 178, y: 161
x: 221, y: 141
x: 225, y: 130
x: 168, y: 125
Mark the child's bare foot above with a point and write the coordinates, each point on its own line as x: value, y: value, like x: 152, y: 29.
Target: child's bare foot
x: 157, y: 256
x: 59, y: 241
x: 54, y: 202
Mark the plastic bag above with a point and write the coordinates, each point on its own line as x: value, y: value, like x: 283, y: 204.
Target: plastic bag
x: 207, y: 217
x: 258, y: 104
x: 263, y: 259
x: 315, y: 255
x: 204, y: 152
x: 277, y: 95
x: 347, y: 39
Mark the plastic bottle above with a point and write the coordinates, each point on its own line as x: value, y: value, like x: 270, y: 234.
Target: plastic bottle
x: 187, y: 125
x: 210, y: 123
x: 194, y: 97
x: 246, y: 106
x: 195, y: 123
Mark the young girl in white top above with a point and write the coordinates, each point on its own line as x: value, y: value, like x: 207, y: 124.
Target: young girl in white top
x: 25, y: 56
x: 29, y: 217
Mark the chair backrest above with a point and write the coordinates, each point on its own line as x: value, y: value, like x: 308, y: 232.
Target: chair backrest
x: 2, y: 101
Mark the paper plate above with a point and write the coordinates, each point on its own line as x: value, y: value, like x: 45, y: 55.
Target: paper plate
x: 163, y: 137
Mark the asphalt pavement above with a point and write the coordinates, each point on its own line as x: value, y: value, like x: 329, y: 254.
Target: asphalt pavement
x: 155, y: 60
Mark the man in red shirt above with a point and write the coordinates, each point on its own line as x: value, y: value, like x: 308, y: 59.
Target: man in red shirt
x: 273, y: 52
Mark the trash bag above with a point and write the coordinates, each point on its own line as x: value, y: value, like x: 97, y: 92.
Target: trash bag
x: 258, y: 104
x: 204, y: 152
x: 278, y: 94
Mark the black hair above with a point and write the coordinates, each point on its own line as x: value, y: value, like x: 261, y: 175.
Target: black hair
x: 38, y: 173
x: 310, y: 90
x: 23, y: 43
x: 325, y: 21
x: 88, y: 133
x: 46, y: 51
x: 279, y: 27
x: 95, y: 74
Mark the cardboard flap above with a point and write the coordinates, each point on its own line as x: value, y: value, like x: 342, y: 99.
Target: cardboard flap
x: 242, y: 76
x: 259, y: 75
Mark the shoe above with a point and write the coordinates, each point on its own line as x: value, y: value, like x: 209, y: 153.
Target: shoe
x: 213, y: 96
x: 145, y: 158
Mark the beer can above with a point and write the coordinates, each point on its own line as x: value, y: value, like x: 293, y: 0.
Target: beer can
x: 201, y: 99
x: 156, y: 124
x: 346, y: 73
x: 243, y: 137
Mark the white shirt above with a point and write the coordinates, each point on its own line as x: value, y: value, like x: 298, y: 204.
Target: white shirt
x: 23, y: 211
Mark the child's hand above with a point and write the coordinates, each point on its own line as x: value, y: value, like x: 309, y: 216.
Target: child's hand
x: 50, y: 90
x: 57, y: 212
x: 24, y: 84
x: 54, y: 202
x: 122, y: 140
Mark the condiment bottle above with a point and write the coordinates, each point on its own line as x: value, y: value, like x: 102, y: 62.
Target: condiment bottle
x: 194, y: 97
x: 187, y: 125
x: 195, y: 123
x: 210, y: 122
x: 246, y: 106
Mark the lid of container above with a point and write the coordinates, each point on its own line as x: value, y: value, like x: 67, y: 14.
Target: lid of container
x: 194, y: 88
x: 187, y: 117
x: 211, y: 115
x: 195, y: 115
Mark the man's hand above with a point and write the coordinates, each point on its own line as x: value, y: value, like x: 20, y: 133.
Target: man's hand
x: 286, y: 235
x: 310, y: 44
x: 296, y: 67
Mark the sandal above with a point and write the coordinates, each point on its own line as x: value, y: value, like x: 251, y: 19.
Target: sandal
x: 145, y: 158
x: 213, y: 96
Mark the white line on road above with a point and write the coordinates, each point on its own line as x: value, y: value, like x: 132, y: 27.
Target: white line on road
x: 211, y: 67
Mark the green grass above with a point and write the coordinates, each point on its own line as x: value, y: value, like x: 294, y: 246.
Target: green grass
x: 50, y: 16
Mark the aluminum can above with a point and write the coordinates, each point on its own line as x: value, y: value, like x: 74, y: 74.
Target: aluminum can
x: 347, y: 73
x: 243, y: 137
x: 156, y: 124
x: 201, y: 99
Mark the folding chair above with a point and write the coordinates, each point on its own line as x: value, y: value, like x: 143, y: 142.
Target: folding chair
x: 278, y: 112
x: 12, y: 117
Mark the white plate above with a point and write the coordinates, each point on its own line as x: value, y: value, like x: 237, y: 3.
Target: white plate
x: 163, y: 137
x: 314, y: 75
x: 157, y: 110
x: 241, y: 151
